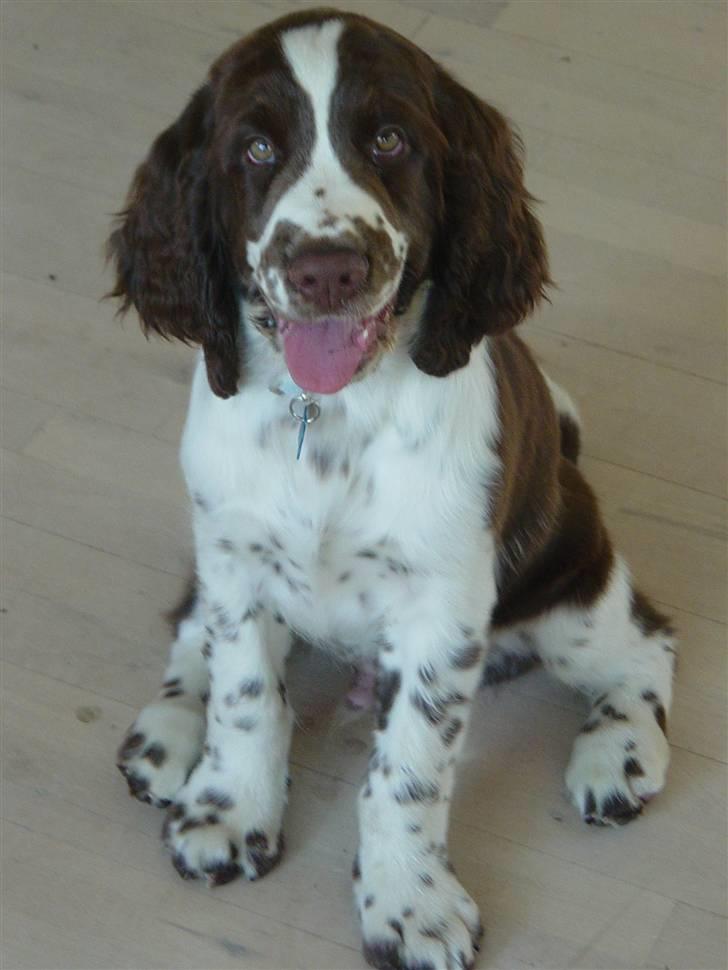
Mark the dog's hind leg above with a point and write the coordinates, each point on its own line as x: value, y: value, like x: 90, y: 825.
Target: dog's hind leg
x: 621, y: 653
x: 575, y: 607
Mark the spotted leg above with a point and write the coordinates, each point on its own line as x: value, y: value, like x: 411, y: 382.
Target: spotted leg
x: 414, y: 912
x: 165, y: 741
x: 226, y: 820
x: 621, y: 652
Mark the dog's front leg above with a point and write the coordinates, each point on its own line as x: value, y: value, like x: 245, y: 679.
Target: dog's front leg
x: 414, y: 912
x: 226, y: 820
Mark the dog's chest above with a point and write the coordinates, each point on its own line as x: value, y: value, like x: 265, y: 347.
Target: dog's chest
x: 333, y: 541
x: 385, y: 508
x: 325, y: 556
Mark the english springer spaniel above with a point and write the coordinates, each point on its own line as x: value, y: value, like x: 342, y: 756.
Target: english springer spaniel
x: 375, y: 462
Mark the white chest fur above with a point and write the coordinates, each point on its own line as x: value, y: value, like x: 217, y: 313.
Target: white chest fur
x: 389, y: 496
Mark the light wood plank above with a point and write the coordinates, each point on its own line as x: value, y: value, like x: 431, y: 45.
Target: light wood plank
x: 628, y: 110
x: 640, y: 415
x: 116, y: 48
x: 113, y: 591
x: 675, y: 40
x: 73, y: 133
x: 673, y: 538
x: 119, y: 455
x: 690, y: 938
x: 158, y: 922
x: 76, y: 646
x: 232, y: 15
x: 636, y: 304
x: 61, y: 242
x: 153, y: 531
x: 86, y: 377
x: 21, y: 415
x: 622, y: 176
x: 481, y: 12
x: 70, y: 350
x: 683, y: 243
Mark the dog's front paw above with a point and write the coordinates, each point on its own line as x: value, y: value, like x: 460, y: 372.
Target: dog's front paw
x: 415, y: 916
x: 161, y: 748
x: 618, y: 763
x: 215, y: 832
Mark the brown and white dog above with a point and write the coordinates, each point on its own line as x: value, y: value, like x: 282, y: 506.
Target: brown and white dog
x: 344, y: 230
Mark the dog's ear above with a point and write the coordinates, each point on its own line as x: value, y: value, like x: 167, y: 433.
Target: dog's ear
x: 169, y: 249
x: 489, y: 262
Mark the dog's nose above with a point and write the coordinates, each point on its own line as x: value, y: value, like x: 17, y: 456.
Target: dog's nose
x: 327, y: 280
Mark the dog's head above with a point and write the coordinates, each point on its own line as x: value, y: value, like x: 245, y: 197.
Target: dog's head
x: 325, y: 171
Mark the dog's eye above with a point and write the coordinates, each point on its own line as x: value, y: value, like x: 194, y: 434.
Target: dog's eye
x: 388, y: 143
x: 261, y: 152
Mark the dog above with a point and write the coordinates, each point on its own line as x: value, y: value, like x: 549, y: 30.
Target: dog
x: 375, y: 464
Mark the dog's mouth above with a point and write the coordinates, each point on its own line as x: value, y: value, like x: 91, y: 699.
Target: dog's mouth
x: 324, y: 355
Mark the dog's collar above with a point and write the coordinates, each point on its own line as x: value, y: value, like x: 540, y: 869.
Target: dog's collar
x: 302, y: 406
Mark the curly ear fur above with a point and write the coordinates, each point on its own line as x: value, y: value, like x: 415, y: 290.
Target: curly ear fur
x: 489, y: 262
x: 170, y: 252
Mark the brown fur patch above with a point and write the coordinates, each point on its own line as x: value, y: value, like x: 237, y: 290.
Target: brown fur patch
x: 647, y: 618
x: 184, y: 608
x: 553, y: 547
x: 570, y: 438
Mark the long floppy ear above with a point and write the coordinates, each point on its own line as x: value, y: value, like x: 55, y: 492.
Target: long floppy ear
x: 170, y: 252
x: 489, y: 262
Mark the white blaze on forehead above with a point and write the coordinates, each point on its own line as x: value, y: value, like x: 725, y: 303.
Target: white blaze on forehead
x: 312, y: 55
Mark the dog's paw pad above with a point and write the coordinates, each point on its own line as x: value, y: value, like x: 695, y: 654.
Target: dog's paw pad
x: 425, y: 921
x: 160, y: 750
x: 615, y: 768
x: 212, y: 845
x: 615, y: 808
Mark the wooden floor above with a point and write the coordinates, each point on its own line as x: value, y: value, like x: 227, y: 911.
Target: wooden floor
x: 622, y: 108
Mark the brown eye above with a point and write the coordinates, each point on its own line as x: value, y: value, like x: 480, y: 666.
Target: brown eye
x: 260, y: 152
x: 389, y: 143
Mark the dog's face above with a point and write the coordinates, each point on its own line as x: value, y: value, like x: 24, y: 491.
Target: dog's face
x: 325, y: 171
x: 333, y: 165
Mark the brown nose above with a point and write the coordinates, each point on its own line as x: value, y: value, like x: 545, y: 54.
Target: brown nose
x: 327, y: 280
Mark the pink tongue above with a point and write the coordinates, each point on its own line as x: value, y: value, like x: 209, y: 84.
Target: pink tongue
x: 322, y: 357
